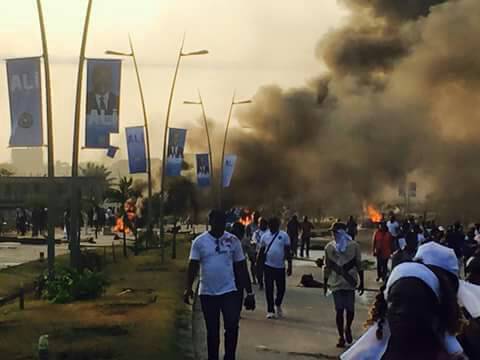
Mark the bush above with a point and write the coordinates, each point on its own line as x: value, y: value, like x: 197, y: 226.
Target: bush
x: 69, y: 285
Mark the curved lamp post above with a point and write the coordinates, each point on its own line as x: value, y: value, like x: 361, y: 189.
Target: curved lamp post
x: 181, y: 54
x: 145, y: 121
x: 233, y: 103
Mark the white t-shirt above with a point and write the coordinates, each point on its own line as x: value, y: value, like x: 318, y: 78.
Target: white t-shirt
x: 393, y: 227
x: 257, y: 238
x: 216, y: 257
x: 276, y: 255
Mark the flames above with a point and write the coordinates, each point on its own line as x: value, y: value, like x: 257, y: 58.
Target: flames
x: 373, y: 214
x: 246, y: 218
x: 119, y: 226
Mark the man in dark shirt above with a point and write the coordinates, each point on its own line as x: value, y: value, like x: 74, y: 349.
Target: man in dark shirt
x: 455, y: 239
x: 293, y: 229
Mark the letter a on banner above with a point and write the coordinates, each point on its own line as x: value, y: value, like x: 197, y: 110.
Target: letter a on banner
x: 228, y: 168
x: 203, y: 170
x: 25, y: 95
x: 176, y: 145
x: 137, y: 159
x: 103, y: 102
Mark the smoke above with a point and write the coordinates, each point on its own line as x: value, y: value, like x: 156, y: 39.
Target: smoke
x: 400, y: 96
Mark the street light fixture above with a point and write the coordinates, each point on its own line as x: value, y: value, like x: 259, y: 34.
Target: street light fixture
x: 205, y: 122
x: 164, y: 152
x: 147, y: 134
x: 233, y: 103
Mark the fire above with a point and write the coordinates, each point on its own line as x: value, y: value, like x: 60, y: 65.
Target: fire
x: 119, y: 226
x: 246, y: 219
x: 373, y: 214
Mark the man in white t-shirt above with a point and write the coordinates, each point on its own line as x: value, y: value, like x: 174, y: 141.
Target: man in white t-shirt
x: 219, y: 258
x: 276, y: 247
x: 394, y: 229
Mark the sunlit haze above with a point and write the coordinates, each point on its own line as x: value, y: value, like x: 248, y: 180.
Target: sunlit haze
x: 251, y: 43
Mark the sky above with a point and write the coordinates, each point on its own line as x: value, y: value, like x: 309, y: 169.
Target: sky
x: 251, y: 43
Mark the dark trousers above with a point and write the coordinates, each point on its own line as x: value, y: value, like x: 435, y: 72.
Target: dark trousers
x: 294, y: 243
x: 228, y: 305
x: 305, y: 246
x: 274, y: 277
x: 382, y: 268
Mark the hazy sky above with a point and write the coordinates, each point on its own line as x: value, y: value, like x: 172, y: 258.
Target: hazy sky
x: 251, y: 43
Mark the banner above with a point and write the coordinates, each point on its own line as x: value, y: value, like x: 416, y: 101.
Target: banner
x: 203, y: 170
x: 25, y: 95
x: 137, y: 159
x: 176, y: 145
x: 228, y: 168
x: 112, y: 151
x: 103, y: 102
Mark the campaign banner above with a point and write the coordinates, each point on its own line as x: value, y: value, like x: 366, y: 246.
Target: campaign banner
x: 112, y: 151
x: 25, y: 97
x: 203, y: 170
x: 137, y: 158
x: 103, y: 101
x: 228, y: 168
x: 176, y: 146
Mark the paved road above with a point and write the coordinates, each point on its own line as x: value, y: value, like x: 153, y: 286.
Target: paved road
x: 308, y: 330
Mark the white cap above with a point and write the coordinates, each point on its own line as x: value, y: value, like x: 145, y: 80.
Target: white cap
x: 414, y: 270
x: 438, y: 255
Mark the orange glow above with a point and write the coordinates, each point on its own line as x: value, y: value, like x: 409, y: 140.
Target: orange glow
x: 247, y: 217
x: 373, y: 214
x: 119, y: 225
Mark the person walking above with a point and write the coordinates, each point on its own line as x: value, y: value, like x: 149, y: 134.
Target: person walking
x: 394, y: 228
x: 217, y: 255
x: 307, y: 228
x: 293, y: 230
x: 257, y: 241
x: 382, y: 250
x: 343, y: 271
x: 352, y: 227
x: 274, y: 251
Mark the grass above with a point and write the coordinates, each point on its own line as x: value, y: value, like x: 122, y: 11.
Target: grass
x: 141, y: 316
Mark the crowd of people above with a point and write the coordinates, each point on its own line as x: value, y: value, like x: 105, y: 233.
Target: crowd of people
x: 424, y: 310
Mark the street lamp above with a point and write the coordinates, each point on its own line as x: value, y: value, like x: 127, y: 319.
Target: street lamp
x: 233, y: 103
x: 181, y: 54
x: 147, y: 134
x: 205, y: 122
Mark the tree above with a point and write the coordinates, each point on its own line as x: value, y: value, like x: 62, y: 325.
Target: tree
x: 104, y: 177
x: 6, y: 170
x: 181, y: 199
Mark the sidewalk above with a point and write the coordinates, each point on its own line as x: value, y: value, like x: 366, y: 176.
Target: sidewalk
x: 308, y: 329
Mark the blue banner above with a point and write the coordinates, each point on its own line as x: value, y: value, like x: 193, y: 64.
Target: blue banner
x: 25, y: 95
x: 103, y: 101
x: 112, y: 151
x: 228, y: 168
x: 203, y: 170
x: 176, y: 146
x: 137, y: 159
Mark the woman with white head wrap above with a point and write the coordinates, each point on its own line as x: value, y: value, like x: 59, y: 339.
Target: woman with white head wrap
x: 411, y: 319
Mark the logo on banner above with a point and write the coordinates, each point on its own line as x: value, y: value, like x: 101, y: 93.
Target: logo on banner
x: 228, y: 168
x: 203, y: 170
x: 25, y: 95
x: 175, y: 151
x: 137, y: 159
x: 103, y: 101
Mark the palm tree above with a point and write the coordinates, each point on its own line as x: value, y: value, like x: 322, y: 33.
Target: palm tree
x: 103, y: 183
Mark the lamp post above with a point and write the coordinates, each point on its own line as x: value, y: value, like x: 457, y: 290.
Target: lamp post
x: 181, y: 54
x: 205, y: 122
x: 233, y: 103
x: 75, y: 204
x: 147, y: 134
x: 51, y: 168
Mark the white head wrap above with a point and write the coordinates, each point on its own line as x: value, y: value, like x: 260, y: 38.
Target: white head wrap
x: 414, y: 270
x: 438, y: 255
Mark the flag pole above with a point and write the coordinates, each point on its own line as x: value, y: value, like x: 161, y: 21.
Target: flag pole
x: 50, y: 148
x: 76, y: 195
